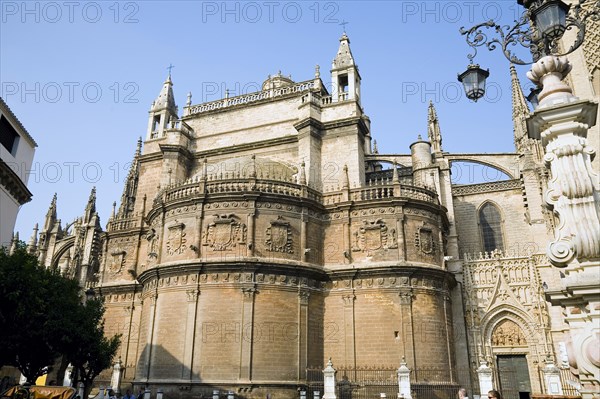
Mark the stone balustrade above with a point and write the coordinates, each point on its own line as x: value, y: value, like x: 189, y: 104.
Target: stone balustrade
x: 250, y: 98
x: 123, y: 224
x: 382, y: 191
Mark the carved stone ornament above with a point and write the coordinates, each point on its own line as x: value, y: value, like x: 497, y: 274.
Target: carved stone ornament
x: 374, y: 235
x: 176, y: 239
x: 279, y: 236
x: 424, y: 240
x: 508, y: 333
x: 117, y: 261
x: 152, y: 237
x: 224, y: 233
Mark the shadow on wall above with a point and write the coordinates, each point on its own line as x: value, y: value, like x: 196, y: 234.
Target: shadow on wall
x: 467, y: 226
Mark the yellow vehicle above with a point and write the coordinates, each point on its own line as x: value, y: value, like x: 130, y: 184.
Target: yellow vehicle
x: 38, y: 392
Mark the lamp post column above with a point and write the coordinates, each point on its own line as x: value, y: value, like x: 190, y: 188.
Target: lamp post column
x: 561, y: 122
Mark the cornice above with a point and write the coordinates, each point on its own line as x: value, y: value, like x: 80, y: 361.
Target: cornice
x: 13, y: 184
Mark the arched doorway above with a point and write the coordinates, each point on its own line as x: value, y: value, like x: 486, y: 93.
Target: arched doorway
x: 511, y: 349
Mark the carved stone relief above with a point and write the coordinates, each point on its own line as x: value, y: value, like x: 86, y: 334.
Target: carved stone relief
x: 374, y: 235
x: 279, y: 236
x: 176, y: 239
x: 508, y: 333
x: 117, y: 261
x: 224, y: 233
x: 424, y: 240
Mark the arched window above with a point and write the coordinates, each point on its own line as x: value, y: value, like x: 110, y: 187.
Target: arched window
x: 490, y: 222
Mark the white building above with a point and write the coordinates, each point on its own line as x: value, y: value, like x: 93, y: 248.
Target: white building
x: 16, y: 155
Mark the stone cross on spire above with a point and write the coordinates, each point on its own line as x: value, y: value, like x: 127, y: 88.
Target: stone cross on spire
x: 344, y: 23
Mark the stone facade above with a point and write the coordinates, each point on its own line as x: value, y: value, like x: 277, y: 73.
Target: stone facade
x: 262, y: 234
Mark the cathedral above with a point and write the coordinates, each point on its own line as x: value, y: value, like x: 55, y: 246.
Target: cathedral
x: 260, y: 235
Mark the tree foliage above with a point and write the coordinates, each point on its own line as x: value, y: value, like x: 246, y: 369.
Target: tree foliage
x: 89, y: 350
x: 43, y: 317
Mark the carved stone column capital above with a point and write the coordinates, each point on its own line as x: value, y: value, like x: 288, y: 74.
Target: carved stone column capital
x: 192, y: 294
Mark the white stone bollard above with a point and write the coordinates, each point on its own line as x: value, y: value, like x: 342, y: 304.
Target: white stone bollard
x: 100, y: 392
x: 552, y: 378
x: 404, y: 381
x: 329, y: 381
x: 159, y: 393
x: 147, y: 393
x: 80, y: 390
x: 215, y: 394
x: 115, y: 381
x: 486, y: 382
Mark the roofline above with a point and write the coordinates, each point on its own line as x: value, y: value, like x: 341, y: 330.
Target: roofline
x: 6, y: 109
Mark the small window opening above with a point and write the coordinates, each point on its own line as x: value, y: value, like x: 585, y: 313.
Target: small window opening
x: 156, y: 123
x: 344, y: 83
x: 8, y: 136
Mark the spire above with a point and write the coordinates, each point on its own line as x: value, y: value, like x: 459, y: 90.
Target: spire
x: 50, y: 215
x: 433, y: 129
x: 90, y: 208
x: 14, y: 243
x: 32, y: 244
x: 131, y: 183
x: 165, y: 99
x: 345, y: 78
x: 520, y: 110
x: 344, y: 58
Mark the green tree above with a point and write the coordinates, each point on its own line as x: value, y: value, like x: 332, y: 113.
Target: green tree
x: 43, y: 317
x: 33, y: 301
x: 88, y: 349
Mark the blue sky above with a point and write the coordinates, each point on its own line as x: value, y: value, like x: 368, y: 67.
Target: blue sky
x: 81, y: 75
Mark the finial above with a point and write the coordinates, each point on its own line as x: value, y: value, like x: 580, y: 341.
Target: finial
x: 344, y: 23
x: 32, y: 245
x: 395, y: 178
x: 138, y: 149
x: 170, y: 67
x: 253, y: 170
x: 375, y: 149
x: 419, y: 138
x: 317, y: 71
x: 302, y: 178
x: 226, y: 93
x: 345, y: 179
x: 279, y: 72
x: 189, y: 99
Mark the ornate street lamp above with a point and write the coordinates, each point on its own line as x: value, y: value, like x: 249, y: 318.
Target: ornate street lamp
x: 550, y: 17
x: 540, y: 27
x: 473, y: 80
